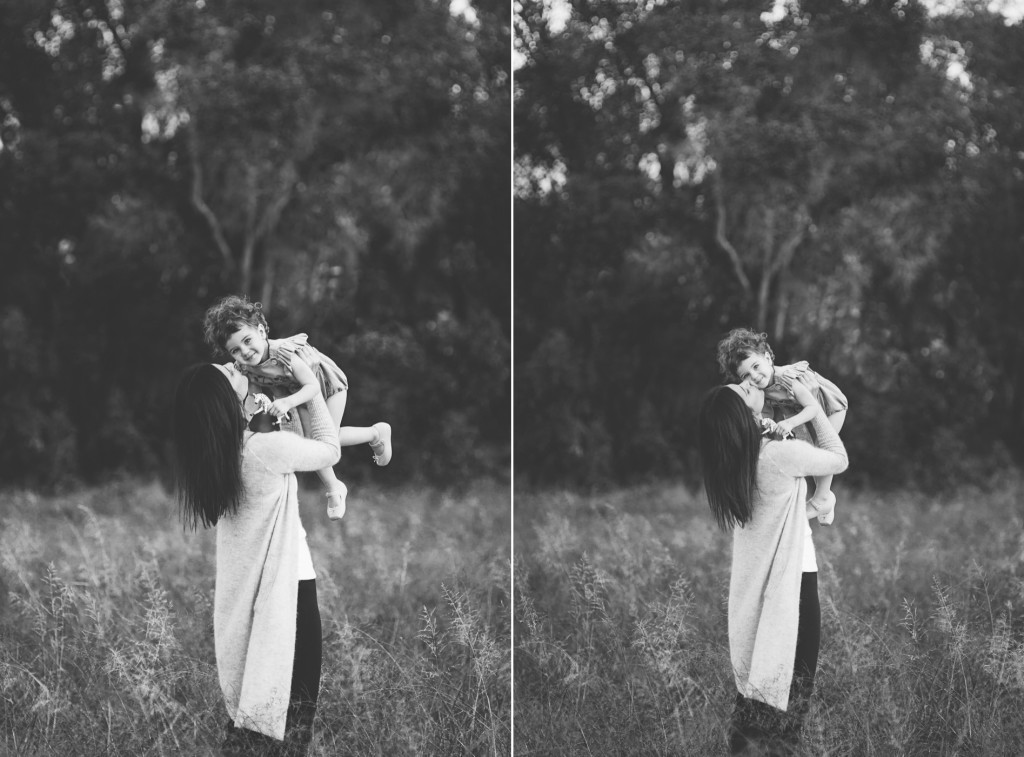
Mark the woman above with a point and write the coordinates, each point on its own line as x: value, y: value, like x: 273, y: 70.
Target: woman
x: 266, y: 619
x: 756, y: 487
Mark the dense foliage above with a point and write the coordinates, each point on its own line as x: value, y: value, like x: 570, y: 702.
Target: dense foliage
x: 346, y: 164
x: 845, y: 176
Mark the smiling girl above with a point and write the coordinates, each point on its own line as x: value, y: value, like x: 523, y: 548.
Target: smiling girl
x: 744, y: 356
x: 238, y: 328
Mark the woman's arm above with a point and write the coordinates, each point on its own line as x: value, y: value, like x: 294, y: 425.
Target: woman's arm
x: 799, y: 458
x: 286, y: 452
x: 786, y: 425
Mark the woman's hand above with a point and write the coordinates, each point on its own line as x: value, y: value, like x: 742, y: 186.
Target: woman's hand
x: 309, y: 356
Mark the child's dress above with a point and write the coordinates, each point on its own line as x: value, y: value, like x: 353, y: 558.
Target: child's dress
x: 780, y: 403
x: 275, y: 375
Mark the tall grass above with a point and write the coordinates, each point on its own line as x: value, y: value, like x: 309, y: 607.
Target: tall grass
x: 620, y: 610
x: 106, y: 635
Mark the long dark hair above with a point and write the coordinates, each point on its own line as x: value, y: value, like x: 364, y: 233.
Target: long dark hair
x: 208, y: 425
x: 730, y: 444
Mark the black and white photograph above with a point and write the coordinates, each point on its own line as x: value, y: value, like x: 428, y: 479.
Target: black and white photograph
x: 255, y: 359
x: 768, y: 377
x: 493, y: 378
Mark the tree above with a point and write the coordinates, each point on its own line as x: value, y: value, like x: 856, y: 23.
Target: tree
x: 687, y: 168
x: 340, y: 164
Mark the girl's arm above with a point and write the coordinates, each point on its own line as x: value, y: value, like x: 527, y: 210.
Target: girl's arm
x: 800, y: 373
x: 310, y: 388
x: 786, y: 425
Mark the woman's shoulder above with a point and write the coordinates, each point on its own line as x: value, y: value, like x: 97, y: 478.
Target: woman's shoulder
x: 264, y: 444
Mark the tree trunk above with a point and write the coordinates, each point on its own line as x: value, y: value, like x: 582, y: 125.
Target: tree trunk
x: 267, y: 289
x: 249, y: 236
x: 720, y: 237
x: 778, y: 332
x: 763, y: 296
x: 199, y: 204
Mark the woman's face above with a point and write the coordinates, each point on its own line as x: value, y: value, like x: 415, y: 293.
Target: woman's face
x: 751, y: 395
x: 238, y: 381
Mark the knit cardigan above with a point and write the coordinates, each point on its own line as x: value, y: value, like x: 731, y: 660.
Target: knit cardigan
x: 256, y: 591
x: 767, y: 559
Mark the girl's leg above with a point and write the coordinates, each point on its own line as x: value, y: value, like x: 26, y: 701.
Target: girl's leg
x: 336, y: 406
x: 351, y: 436
x: 305, y: 688
x: 337, y: 492
x: 823, y: 502
x: 378, y: 436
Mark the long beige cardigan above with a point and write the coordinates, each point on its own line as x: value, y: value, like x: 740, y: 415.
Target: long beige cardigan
x: 767, y: 564
x: 257, y: 572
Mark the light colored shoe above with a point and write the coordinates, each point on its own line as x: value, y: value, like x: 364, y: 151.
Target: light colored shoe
x: 825, y: 507
x: 382, y: 447
x: 336, y: 502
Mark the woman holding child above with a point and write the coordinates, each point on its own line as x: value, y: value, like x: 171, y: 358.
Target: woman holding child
x: 266, y: 618
x: 755, y: 486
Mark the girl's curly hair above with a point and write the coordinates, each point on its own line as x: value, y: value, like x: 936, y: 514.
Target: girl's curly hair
x: 737, y: 346
x: 228, y: 316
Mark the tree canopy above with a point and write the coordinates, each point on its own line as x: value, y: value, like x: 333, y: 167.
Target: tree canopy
x: 347, y: 165
x: 844, y: 176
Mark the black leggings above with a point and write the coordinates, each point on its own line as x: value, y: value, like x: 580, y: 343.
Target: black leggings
x: 808, y: 640
x: 308, y: 648
x: 305, y: 687
x: 755, y: 722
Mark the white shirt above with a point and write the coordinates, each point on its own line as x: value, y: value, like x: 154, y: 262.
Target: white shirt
x: 810, y: 564
x: 306, y: 571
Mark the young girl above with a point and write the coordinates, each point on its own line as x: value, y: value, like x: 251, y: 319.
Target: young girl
x: 238, y: 328
x: 744, y: 355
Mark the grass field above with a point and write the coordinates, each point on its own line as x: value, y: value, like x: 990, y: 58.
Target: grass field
x: 106, y: 637
x: 620, y: 625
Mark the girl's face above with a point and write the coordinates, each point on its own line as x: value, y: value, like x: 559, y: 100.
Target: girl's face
x: 758, y: 370
x: 752, y: 396
x: 248, y: 345
x: 238, y: 381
